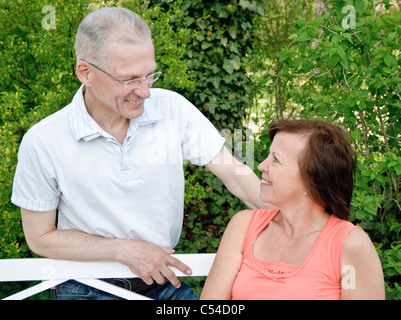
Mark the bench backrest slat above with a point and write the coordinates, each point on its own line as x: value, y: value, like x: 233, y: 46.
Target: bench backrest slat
x: 40, y: 269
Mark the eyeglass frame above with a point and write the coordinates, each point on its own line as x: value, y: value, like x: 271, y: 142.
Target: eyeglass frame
x: 155, y: 76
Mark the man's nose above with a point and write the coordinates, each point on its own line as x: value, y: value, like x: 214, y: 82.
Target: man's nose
x: 143, y: 90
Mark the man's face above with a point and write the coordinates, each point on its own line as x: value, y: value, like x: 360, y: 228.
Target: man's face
x: 124, y: 62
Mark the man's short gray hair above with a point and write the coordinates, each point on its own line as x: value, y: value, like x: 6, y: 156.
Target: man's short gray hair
x: 104, y: 26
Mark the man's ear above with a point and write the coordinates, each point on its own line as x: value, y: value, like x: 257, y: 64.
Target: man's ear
x: 84, y: 72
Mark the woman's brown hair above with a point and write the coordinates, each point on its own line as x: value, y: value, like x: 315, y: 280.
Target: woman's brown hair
x: 327, y: 164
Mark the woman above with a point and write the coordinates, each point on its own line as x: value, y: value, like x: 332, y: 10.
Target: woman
x: 306, y: 248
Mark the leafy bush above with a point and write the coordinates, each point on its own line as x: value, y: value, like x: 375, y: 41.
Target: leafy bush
x: 220, y: 38
x: 344, y: 66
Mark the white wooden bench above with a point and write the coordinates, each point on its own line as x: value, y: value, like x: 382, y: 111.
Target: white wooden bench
x: 53, y: 272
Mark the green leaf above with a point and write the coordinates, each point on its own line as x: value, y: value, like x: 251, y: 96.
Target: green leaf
x: 205, y: 45
x: 230, y: 65
x: 233, y: 32
x: 390, y: 61
x: 333, y: 61
x: 348, y: 37
x: 361, y: 6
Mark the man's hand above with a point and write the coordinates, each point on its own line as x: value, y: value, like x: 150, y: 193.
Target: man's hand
x: 151, y: 262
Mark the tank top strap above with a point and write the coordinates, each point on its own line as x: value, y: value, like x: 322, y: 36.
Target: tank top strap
x: 259, y: 220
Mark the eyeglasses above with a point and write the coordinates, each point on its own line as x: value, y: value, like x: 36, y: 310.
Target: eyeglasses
x: 134, y: 83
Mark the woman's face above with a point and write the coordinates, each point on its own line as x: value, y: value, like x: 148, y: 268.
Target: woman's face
x: 281, y: 183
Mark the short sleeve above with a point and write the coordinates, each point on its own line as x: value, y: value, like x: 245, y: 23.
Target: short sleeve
x: 35, y: 183
x: 201, y: 141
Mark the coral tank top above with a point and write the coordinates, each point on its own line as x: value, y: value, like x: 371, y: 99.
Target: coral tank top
x: 319, y: 276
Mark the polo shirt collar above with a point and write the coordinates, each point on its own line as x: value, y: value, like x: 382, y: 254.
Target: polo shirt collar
x: 83, y: 126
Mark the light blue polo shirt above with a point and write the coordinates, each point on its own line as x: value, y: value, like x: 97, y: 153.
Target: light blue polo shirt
x: 129, y: 191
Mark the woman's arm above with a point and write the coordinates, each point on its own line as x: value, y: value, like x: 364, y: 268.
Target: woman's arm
x: 228, y: 259
x: 362, y: 273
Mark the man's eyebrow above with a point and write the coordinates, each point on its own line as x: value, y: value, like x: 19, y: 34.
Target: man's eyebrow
x: 130, y: 77
x: 134, y: 76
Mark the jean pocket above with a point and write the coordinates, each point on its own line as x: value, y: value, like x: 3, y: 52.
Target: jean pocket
x: 72, y: 290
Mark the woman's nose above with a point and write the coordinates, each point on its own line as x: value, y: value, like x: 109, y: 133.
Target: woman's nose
x: 263, y: 166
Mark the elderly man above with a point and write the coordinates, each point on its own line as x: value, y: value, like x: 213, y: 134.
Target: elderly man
x: 109, y: 165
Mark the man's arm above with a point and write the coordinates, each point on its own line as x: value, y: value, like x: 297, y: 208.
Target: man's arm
x: 239, y: 179
x: 148, y: 261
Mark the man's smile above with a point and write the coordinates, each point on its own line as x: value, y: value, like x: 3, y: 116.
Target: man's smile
x: 134, y: 102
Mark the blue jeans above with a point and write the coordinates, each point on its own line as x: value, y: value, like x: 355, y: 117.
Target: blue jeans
x: 74, y: 290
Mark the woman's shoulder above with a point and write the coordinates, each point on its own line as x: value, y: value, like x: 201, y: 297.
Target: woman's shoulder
x: 357, y: 240
x: 247, y: 221
x: 242, y: 218
x: 358, y: 247
x: 243, y: 215
x: 360, y: 254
